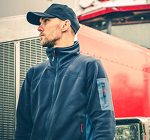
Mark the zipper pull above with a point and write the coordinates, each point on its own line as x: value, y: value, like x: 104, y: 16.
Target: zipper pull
x: 53, y: 55
x: 81, y: 127
x: 103, y: 88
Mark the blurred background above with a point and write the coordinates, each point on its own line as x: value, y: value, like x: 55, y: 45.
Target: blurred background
x: 20, y: 7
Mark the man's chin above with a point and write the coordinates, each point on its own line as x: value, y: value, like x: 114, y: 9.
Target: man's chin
x: 49, y: 45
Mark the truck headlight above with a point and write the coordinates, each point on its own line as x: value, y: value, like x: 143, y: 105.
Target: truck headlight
x: 132, y: 128
x: 128, y: 132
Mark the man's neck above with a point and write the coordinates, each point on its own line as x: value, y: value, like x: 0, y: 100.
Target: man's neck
x: 64, y: 44
x: 65, y: 41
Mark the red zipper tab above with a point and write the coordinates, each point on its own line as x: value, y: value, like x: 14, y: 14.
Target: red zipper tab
x: 81, y: 126
x: 104, y: 90
x: 53, y: 55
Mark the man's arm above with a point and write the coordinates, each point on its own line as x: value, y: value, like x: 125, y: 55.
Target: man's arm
x: 100, y: 106
x: 24, y: 121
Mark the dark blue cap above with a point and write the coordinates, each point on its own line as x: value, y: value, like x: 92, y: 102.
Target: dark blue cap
x: 60, y: 11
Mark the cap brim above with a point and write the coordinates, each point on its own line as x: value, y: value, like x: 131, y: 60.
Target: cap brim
x: 34, y: 17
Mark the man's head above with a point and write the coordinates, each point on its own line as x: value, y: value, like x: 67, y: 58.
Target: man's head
x: 56, y: 21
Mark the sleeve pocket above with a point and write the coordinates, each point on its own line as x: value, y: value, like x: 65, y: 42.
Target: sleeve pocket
x: 105, y: 94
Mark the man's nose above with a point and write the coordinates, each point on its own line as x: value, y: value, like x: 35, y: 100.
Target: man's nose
x: 40, y: 28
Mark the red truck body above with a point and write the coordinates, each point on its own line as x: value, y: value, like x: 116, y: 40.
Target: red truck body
x: 128, y: 69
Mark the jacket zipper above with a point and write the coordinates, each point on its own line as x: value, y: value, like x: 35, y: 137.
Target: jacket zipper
x: 55, y: 83
x: 53, y: 88
x: 53, y: 55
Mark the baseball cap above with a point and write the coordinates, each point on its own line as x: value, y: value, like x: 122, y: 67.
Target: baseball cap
x: 60, y: 11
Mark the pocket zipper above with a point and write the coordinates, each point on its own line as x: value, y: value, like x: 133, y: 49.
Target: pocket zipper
x: 81, y: 127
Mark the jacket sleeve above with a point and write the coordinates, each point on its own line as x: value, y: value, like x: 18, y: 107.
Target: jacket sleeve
x: 24, y: 121
x: 100, y: 106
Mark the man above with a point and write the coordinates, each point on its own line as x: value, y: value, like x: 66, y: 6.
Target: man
x: 67, y: 97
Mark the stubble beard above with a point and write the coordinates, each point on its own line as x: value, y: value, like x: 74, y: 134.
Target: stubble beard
x: 49, y: 44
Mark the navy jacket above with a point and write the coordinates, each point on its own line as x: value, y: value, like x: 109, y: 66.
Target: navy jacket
x: 67, y: 97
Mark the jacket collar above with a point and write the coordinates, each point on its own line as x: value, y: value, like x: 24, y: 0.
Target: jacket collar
x: 62, y: 55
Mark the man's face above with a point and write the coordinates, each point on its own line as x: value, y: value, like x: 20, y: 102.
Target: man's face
x: 50, y: 31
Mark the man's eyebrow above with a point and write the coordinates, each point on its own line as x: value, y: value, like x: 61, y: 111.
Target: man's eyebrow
x: 44, y: 18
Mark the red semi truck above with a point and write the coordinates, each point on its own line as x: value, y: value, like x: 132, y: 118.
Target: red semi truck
x: 128, y: 69
x: 127, y: 65
x: 126, y: 60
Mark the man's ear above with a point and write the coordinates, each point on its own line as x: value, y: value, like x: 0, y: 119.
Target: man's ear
x: 66, y: 25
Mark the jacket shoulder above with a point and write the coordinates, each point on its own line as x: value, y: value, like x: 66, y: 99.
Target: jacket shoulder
x: 37, y: 69
x: 89, y: 61
x: 88, y: 58
x: 82, y: 65
x: 41, y: 65
x: 92, y: 65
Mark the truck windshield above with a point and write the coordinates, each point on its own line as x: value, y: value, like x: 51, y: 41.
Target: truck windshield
x: 133, y: 26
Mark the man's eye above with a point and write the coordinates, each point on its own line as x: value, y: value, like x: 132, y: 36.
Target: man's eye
x: 45, y: 20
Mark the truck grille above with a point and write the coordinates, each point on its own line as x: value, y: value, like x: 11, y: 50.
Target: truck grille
x: 7, y: 91
x: 31, y: 53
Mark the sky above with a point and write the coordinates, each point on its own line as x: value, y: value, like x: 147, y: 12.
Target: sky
x: 21, y: 7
